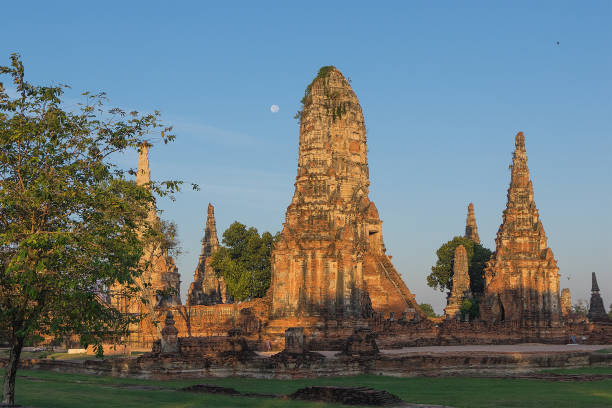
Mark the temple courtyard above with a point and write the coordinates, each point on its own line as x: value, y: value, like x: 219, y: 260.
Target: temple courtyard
x: 572, y: 388
x: 520, y: 375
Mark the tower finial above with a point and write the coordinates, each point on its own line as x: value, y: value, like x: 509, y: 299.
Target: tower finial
x: 594, y: 285
x: 143, y: 175
x: 519, y: 141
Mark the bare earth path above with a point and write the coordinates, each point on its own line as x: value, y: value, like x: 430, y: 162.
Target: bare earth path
x: 500, y: 348
x: 491, y: 348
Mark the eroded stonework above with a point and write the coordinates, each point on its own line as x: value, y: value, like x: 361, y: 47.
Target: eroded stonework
x: 460, y: 289
x: 522, y: 277
x: 566, y: 302
x: 160, y: 281
x: 330, y: 259
x: 207, y: 288
x: 471, y: 230
x: 597, y: 310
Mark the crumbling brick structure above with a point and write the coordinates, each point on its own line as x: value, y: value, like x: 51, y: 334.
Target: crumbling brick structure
x: 460, y: 289
x: 207, y: 288
x: 471, y: 230
x: 330, y: 260
x: 522, y: 277
x: 597, y: 310
x: 161, y: 280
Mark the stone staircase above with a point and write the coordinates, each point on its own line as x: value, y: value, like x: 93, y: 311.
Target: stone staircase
x: 396, y: 280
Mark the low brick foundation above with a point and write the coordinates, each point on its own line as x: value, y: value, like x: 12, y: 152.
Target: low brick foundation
x: 402, y: 363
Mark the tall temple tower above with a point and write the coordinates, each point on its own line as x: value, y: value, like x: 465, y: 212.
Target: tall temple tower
x: 471, y: 230
x: 330, y: 259
x: 460, y: 289
x: 207, y: 288
x: 566, y: 302
x: 160, y: 277
x: 522, y: 277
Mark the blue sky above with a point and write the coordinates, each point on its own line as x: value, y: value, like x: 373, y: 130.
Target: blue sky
x: 444, y: 87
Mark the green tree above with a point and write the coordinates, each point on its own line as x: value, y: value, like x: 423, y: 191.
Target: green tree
x: 71, y: 223
x: 244, y: 261
x: 470, y: 307
x: 441, y: 273
x: 428, y: 310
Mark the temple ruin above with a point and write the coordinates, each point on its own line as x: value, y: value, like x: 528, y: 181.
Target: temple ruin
x: 522, y: 277
x: 207, y: 288
x: 330, y: 260
x: 160, y: 281
x: 566, y: 302
x: 333, y: 287
x: 471, y: 230
x: 597, y: 310
x: 460, y: 287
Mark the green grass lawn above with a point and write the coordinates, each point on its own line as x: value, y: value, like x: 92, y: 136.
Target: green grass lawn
x: 49, y: 389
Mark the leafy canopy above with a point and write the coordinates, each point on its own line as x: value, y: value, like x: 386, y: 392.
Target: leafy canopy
x: 70, y: 220
x: 441, y: 273
x: 244, y: 261
x: 428, y: 310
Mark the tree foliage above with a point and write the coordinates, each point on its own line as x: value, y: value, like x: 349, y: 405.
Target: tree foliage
x: 471, y: 308
x: 441, y: 273
x: 70, y: 220
x: 428, y: 310
x: 244, y: 261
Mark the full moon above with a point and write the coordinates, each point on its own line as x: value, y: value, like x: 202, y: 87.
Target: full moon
x: 274, y: 108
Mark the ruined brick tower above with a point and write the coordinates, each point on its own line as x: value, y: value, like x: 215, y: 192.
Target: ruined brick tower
x: 160, y: 281
x: 566, y: 302
x: 460, y: 289
x: 471, y: 230
x: 597, y: 310
x: 207, y: 288
x: 522, y: 277
x: 330, y: 259
x: 163, y: 274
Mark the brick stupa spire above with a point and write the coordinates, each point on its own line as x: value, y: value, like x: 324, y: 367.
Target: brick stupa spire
x: 161, y: 273
x: 330, y: 259
x: 207, y: 288
x: 460, y: 289
x: 566, y: 302
x: 471, y: 230
x: 143, y: 174
x: 522, y: 277
x: 597, y: 310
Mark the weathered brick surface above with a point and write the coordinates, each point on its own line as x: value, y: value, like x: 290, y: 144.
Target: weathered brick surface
x: 203, y: 321
x: 330, y: 260
x: 163, y: 274
x: 207, y: 288
x: 460, y: 289
x: 597, y: 310
x: 566, y: 302
x: 471, y: 230
x: 522, y: 277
